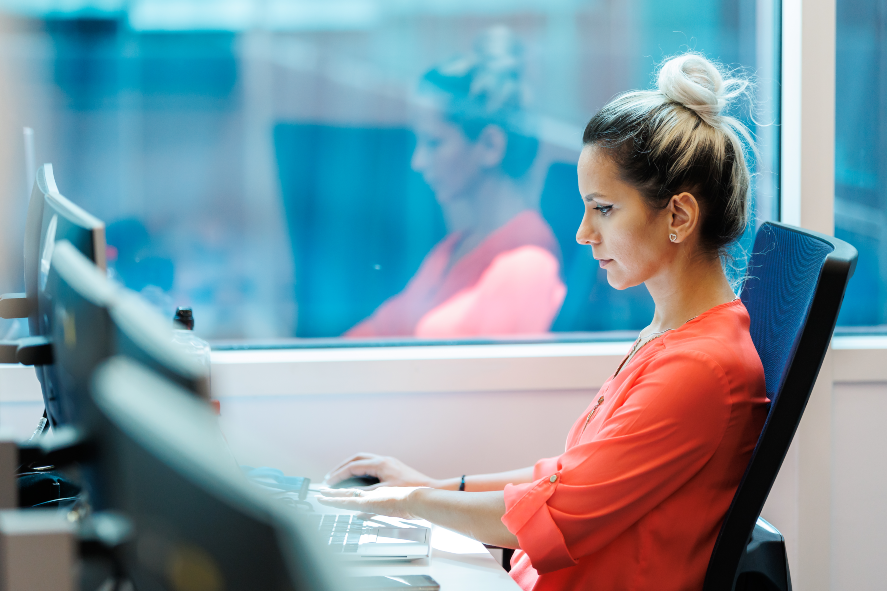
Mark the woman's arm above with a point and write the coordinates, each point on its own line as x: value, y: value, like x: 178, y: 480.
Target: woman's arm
x: 486, y: 482
x: 478, y: 515
x: 392, y: 472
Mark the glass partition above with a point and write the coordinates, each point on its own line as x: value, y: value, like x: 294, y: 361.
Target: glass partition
x: 861, y: 159
x: 361, y: 169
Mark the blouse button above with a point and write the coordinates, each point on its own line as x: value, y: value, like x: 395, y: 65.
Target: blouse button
x: 553, y: 478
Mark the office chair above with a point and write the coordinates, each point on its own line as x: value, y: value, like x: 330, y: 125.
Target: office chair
x: 793, y: 293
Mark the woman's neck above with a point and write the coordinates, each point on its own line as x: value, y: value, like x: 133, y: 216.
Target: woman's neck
x: 489, y: 205
x: 684, y: 293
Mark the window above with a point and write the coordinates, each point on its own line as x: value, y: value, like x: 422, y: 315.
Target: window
x: 861, y: 159
x: 281, y: 168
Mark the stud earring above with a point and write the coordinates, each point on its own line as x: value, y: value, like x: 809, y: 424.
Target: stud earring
x: 673, y: 237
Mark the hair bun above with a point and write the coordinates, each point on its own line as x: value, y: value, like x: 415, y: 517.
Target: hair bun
x: 490, y: 76
x: 498, y: 69
x: 696, y: 83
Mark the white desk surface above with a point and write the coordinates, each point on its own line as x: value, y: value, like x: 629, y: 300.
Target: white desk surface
x: 457, y: 563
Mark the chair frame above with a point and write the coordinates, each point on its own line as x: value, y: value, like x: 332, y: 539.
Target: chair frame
x: 785, y: 414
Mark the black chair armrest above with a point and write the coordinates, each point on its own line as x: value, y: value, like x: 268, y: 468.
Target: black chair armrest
x: 34, y: 351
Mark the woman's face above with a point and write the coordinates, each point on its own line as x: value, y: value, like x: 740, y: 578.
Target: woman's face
x: 628, y: 238
x: 444, y: 156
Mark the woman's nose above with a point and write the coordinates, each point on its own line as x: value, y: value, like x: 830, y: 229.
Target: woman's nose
x: 418, y: 161
x: 587, y: 233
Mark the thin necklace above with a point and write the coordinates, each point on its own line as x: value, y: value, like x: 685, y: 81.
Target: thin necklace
x: 638, y: 344
x: 634, y: 349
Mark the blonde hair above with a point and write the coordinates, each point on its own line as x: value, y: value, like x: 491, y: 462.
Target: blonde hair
x: 678, y: 138
x: 486, y: 87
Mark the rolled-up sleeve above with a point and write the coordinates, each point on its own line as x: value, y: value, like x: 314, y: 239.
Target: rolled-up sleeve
x: 668, y: 426
x: 527, y: 517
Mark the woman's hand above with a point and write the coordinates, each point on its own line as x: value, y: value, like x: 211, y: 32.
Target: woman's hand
x: 391, y: 472
x: 390, y: 501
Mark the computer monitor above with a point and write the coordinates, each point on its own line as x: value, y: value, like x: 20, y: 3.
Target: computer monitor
x: 88, y: 319
x: 62, y: 220
x: 160, y: 461
x: 72, y: 223
x: 51, y: 218
x: 75, y: 304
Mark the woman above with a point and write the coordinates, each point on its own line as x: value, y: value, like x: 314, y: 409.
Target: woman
x: 498, y: 269
x: 638, y: 497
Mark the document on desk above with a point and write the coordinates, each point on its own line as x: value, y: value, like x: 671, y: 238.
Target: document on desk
x: 442, y: 539
x: 457, y: 563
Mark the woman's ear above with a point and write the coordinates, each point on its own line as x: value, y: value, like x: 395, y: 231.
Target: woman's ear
x: 683, y: 213
x: 490, y: 146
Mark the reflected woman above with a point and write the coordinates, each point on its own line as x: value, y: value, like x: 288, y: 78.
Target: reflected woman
x: 497, y: 271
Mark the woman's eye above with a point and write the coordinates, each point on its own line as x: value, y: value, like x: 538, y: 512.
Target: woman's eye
x: 604, y: 209
x: 429, y: 142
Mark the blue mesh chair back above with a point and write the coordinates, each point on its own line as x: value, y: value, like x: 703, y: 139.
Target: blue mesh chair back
x: 780, y: 283
x: 793, y: 292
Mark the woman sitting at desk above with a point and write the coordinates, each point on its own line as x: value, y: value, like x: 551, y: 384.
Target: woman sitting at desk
x: 650, y: 468
x: 498, y: 269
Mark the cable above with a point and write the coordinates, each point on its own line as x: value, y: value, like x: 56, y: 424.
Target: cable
x: 41, y: 427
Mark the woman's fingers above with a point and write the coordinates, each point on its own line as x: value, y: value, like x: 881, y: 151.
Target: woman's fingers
x: 366, y: 467
x: 383, y: 501
x: 389, y: 471
x: 348, y: 503
x: 354, y: 458
x: 346, y: 498
x: 338, y: 492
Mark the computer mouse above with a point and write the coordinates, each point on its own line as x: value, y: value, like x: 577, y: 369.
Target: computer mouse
x: 356, y: 481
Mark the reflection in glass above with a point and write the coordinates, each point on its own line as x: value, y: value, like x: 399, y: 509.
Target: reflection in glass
x: 497, y: 271
x: 283, y: 170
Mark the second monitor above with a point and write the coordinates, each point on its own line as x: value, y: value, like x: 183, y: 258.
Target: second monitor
x: 89, y: 319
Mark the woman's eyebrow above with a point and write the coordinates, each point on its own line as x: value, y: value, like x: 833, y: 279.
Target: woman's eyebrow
x: 595, y: 197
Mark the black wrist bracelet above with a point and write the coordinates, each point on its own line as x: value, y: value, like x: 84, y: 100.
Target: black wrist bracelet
x: 462, y: 484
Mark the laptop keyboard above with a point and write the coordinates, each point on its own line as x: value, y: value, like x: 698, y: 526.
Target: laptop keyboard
x: 342, y: 532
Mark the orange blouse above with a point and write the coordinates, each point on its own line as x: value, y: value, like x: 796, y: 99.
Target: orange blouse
x: 637, y: 499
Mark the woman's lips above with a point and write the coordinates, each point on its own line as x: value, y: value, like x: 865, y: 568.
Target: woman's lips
x: 605, y: 262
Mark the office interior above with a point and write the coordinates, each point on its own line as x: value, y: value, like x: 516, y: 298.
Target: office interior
x: 255, y: 161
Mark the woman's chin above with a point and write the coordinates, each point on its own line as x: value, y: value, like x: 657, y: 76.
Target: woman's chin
x: 444, y: 197
x: 617, y: 282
